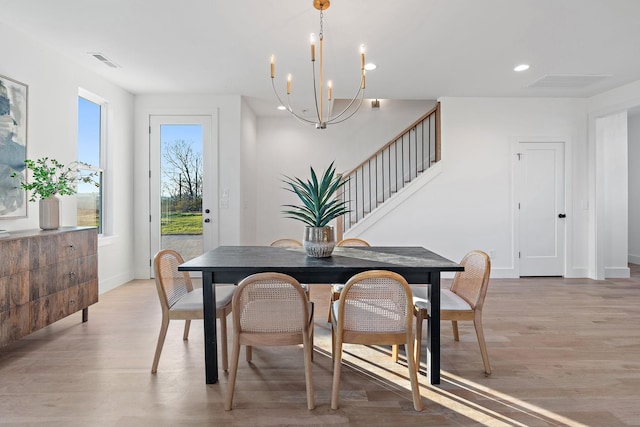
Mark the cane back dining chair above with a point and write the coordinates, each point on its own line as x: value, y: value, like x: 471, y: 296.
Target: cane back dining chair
x: 271, y: 309
x: 375, y: 307
x: 463, y: 301
x: 180, y: 301
x: 289, y: 243
x: 286, y: 243
x: 351, y: 242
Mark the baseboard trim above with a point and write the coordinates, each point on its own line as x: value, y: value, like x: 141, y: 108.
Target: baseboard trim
x: 617, y: 272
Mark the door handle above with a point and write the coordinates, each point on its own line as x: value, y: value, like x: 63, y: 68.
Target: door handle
x: 207, y: 220
x: 562, y: 215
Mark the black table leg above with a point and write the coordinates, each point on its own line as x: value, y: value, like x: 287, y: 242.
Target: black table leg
x: 433, y: 331
x: 210, y: 338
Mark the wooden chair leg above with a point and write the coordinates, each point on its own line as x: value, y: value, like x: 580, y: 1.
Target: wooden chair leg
x: 454, y: 325
x: 477, y: 323
x: 248, y: 353
x: 233, y: 372
x: 337, y: 364
x: 185, y: 335
x: 413, y: 374
x: 394, y: 352
x: 308, y: 357
x: 163, y: 333
x: 223, y: 341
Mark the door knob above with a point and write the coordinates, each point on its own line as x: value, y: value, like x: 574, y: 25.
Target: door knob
x: 562, y: 215
x: 207, y: 220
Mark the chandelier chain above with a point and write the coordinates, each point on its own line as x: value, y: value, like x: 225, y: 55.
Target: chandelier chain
x: 321, y: 25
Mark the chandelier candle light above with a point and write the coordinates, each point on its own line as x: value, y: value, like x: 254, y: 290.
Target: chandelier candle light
x: 323, y: 118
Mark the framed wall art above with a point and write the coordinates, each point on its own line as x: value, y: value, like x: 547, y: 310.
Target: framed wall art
x: 13, y: 147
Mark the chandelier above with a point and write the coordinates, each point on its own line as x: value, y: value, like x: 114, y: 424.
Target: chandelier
x: 323, y: 115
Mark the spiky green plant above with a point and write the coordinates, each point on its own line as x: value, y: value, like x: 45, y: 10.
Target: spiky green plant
x: 318, y: 197
x: 50, y: 178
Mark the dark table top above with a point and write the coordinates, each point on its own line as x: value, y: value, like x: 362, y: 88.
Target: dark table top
x: 231, y: 263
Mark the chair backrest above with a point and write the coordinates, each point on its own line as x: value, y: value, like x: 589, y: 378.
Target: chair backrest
x: 376, y: 301
x: 352, y: 242
x: 171, y: 283
x: 270, y: 303
x: 472, y: 283
x: 286, y: 243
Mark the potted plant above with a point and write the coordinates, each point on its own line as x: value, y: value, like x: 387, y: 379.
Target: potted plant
x: 51, y: 179
x: 319, y: 207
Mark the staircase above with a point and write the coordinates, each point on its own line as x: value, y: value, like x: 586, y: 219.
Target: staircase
x: 390, y: 169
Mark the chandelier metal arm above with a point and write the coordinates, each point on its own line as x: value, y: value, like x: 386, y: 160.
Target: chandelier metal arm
x: 288, y: 106
x: 358, y: 96
x: 335, y: 120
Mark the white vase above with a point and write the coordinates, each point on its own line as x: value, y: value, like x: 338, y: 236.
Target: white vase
x: 319, y: 242
x: 49, y: 213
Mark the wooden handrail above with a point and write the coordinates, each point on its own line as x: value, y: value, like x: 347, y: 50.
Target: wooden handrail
x: 435, y: 110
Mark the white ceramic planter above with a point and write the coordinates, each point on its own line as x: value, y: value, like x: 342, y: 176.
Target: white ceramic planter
x: 49, y: 213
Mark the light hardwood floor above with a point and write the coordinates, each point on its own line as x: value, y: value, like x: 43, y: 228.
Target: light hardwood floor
x: 564, y: 352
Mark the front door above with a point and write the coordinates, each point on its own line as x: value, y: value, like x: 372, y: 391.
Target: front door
x: 183, y: 185
x: 541, y: 208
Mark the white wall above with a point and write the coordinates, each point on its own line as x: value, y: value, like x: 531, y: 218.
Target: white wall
x: 471, y: 203
x: 52, y: 131
x: 286, y: 147
x: 611, y: 132
x: 228, y: 110
x: 249, y: 177
x: 634, y: 188
x: 615, y: 101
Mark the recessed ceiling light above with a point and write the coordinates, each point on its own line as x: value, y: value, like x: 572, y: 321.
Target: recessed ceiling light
x: 282, y: 107
x: 521, y: 67
x: 370, y: 66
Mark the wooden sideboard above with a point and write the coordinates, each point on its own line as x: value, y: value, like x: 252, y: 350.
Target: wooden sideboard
x: 45, y: 276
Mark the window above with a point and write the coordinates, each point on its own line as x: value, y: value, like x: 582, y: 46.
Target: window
x: 91, y: 131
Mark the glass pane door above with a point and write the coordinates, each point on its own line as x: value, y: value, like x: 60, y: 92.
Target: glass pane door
x: 182, y: 191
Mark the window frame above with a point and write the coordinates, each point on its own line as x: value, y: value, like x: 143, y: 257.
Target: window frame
x: 104, y: 228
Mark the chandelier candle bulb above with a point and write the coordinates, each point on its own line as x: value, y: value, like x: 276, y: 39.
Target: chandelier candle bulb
x: 312, y: 38
x: 273, y: 66
x: 289, y: 84
x: 329, y: 87
x: 362, y: 57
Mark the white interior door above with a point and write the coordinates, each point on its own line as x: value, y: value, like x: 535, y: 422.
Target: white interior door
x: 541, y: 208
x: 183, y: 185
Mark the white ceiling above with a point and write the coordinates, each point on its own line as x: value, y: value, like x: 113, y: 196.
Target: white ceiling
x: 424, y: 49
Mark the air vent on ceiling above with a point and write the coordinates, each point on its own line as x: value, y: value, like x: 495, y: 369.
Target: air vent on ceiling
x: 106, y: 61
x: 568, y: 80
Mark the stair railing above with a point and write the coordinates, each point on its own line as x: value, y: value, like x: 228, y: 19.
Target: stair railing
x: 390, y: 169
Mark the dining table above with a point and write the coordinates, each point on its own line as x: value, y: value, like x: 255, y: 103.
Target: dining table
x: 231, y: 264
